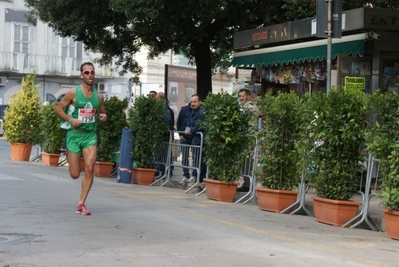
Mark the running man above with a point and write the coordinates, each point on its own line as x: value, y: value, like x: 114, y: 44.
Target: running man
x: 80, y: 109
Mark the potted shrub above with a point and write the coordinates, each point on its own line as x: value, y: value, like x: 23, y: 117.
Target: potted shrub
x: 22, y: 119
x: 52, y: 135
x: 148, y: 122
x: 226, y: 138
x: 109, y: 135
x: 340, y: 123
x: 383, y: 144
x: 279, y: 159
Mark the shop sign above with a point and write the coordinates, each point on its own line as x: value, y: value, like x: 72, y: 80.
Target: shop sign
x: 355, y: 83
x: 269, y: 34
x: 384, y: 19
x: 322, y: 17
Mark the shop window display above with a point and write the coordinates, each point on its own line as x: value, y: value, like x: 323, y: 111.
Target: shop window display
x: 351, y: 68
x: 390, y: 74
x: 306, y: 77
x: 295, y: 73
x: 310, y: 77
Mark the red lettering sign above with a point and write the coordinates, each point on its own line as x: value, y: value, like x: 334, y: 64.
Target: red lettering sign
x: 256, y: 36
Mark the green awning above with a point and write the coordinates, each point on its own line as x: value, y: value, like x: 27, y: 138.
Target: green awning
x: 296, y: 53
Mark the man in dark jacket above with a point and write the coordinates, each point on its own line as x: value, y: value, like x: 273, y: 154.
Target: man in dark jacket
x: 168, y: 112
x: 193, y: 128
x: 185, y: 139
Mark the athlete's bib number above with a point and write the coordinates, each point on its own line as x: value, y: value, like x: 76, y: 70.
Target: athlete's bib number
x: 87, y: 115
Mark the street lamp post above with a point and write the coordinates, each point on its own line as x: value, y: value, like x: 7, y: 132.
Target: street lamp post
x: 332, y: 9
x: 329, y: 43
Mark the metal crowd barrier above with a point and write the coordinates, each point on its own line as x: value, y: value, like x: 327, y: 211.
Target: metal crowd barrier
x: 162, y: 162
x: 371, y: 181
x: 302, y: 186
x: 250, y: 163
x: 38, y: 156
x: 373, y: 170
x: 172, y: 157
x: 63, y: 151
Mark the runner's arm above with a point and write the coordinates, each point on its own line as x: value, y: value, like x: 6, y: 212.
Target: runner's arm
x: 65, y: 101
x: 101, y: 110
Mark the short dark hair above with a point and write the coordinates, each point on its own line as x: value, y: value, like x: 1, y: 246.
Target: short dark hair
x: 84, y: 64
x: 244, y: 90
x: 197, y: 95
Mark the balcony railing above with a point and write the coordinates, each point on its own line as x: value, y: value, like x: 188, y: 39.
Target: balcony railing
x: 46, y: 65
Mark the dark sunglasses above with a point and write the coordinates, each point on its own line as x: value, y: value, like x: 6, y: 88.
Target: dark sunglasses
x: 89, y: 72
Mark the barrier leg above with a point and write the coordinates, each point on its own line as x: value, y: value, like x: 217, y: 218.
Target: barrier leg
x: 363, y: 214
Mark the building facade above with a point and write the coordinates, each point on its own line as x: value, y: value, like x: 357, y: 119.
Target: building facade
x: 25, y: 48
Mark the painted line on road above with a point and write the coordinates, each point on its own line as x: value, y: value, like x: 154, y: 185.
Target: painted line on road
x: 10, y: 178
x: 157, y: 195
x: 144, y: 197
x: 52, y: 178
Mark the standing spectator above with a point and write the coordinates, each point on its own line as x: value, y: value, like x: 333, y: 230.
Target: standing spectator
x: 170, y: 119
x: 193, y: 127
x: 244, y: 96
x: 185, y: 139
x: 152, y: 94
x: 169, y: 114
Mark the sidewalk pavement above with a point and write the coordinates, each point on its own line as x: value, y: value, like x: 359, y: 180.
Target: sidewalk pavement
x: 375, y: 210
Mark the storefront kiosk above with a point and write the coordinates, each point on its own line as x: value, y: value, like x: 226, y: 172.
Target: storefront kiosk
x: 289, y: 56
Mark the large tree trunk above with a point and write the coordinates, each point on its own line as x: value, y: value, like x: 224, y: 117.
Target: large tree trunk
x: 204, y: 70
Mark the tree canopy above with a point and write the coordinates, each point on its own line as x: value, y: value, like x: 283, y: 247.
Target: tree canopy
x: 201, y: 29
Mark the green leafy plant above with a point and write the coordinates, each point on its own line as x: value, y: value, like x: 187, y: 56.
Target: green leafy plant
x: 384, y: 144
x: 226, y: 136
x: 279, y: 159
x: 22, y: 119
x: 340, y: 124
x: 51, y: 132
x: 147, y: 119
x: 109, y: 133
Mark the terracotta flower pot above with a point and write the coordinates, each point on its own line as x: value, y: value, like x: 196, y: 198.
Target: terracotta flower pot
x: 334, y: 212
x: 103, y: 169
x: 50, y: 159
x: 143, y: 176
x: 219, y: 190
x: 391, y: 223
x: 275, y: 200
x: 20, y: 151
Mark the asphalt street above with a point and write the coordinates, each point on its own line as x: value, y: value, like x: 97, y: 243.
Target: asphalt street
x: 134, y: 225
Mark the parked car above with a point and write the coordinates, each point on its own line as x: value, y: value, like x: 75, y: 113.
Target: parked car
x: 2, y: 108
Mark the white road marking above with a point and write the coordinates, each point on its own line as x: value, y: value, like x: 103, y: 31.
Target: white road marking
x: 10, y: 178
x: 50, y: 177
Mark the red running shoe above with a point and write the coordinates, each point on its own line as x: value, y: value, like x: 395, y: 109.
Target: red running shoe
x: 81, y: 209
